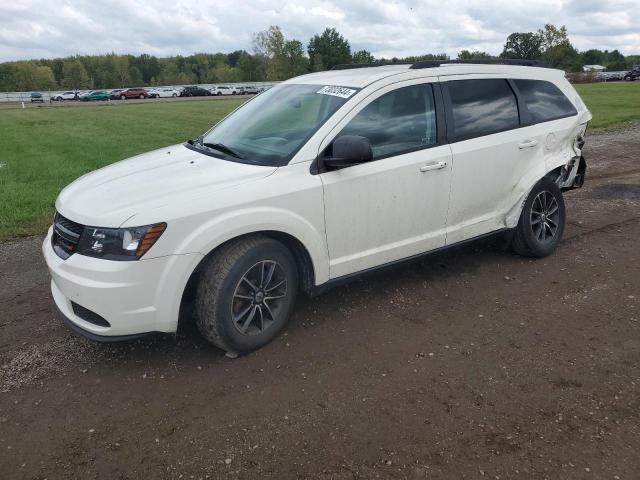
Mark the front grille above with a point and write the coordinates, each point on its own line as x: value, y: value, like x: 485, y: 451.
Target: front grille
x: 89, y: 316
x: 66, y: 236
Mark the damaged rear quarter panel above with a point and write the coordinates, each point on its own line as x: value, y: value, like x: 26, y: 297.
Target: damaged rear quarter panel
x: 556, y: 149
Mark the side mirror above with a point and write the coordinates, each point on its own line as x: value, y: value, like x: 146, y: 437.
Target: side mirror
x: 349, y: 150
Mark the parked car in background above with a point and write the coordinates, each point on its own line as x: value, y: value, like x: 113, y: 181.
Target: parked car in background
x: 115, y: 94
x: 133, y: 93
x: 194, y: 91
x: 164, y: 92
x: 95, y: 95
x: 633, y: 74
x: 224, y: 90
x: 251, y: 90
x: 610, y: 76
x: 58, y: 97
x: 36, y: 97
x: 284, y: 195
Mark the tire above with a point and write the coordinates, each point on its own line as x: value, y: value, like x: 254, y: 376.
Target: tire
x: 174, y: 95
x: 141, y: 96
x: 544, y: 206
x: 122, y: 97
x: 231, y: 308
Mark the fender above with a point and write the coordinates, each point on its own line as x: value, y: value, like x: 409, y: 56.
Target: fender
x: 210, y: 235
x: 232, y: 224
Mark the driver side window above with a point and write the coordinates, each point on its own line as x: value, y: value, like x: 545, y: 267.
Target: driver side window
x: 398, y: 122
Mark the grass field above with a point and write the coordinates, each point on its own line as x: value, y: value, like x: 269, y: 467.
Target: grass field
x: 612, y: 104
x: 43, y: 149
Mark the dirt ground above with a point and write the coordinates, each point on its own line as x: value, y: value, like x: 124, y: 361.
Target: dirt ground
x: 474, y: 363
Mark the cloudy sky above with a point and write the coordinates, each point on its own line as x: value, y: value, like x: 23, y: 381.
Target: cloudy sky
x: 41, y: 28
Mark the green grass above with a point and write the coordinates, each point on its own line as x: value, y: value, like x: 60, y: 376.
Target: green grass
x: 44, y: 149
x: 612, y: 104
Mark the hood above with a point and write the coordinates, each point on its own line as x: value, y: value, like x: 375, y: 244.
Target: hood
x: 109, y: 196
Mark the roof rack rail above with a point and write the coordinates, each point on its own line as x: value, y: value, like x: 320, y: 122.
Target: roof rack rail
x: 482, y: 61
x: 349, y: 66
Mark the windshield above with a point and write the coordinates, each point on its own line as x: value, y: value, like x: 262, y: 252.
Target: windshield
x: 272, y: 127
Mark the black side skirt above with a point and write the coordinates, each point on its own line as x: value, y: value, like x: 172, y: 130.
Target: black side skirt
x: 322, y: 288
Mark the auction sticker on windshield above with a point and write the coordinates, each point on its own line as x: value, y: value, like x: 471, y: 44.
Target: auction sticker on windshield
x: 341, y: 92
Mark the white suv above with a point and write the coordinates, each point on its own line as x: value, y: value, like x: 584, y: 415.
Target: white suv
x: 224, y: 90
x: 320, y: 178
x: 59, y: 97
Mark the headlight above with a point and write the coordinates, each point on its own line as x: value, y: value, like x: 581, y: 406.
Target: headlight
x: 119, y: 243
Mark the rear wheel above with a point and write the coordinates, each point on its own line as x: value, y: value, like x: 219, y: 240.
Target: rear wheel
x: 122, y: 97
x: 246, y: 294
x: 141, y: 96
x: 541, y: 222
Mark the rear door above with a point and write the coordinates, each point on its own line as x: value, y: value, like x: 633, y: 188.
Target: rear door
x: 491, y: 153
x: 550, y: 118
x: 394, y: 206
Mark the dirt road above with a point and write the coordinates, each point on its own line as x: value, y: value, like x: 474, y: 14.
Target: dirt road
x: 472, y: 364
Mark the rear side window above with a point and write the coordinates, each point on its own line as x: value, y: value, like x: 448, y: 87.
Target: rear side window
x: 544, y: 100
x: 482, y: 107
x: 398, y: 122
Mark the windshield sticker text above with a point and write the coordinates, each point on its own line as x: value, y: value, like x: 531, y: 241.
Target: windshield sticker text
x: 341, y: 92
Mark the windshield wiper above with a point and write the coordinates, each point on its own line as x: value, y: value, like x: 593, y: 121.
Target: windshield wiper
x: 222, y: 148
x: 195, y: 141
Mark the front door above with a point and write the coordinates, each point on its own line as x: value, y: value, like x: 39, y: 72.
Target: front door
x: 394, y: 206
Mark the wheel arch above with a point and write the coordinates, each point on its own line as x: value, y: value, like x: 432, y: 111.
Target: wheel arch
x: 304, y: 264
x: 554, y: 173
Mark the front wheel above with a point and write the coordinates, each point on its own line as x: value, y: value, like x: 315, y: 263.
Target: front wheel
x: 246, y: 294
x: 541, y: 222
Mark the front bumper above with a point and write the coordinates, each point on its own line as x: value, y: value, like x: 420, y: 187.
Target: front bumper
x: 92, y: 336
x: 135, y: 297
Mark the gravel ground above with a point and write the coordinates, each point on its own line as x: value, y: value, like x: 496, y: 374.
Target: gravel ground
x: 472, y: 364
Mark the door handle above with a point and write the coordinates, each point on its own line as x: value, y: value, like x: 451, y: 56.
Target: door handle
x: 528, y: 144
x: 433, y: 166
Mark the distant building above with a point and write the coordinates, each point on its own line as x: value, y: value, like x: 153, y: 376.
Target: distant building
x: 593, y: 68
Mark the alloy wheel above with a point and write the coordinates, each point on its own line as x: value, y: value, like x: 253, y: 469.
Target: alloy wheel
x: 545, y: 215
x: 259, y: 298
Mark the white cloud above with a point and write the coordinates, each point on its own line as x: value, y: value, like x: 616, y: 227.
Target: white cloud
x: 40, y: 28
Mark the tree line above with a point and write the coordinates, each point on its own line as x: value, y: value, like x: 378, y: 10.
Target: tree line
x: 275, y: 57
